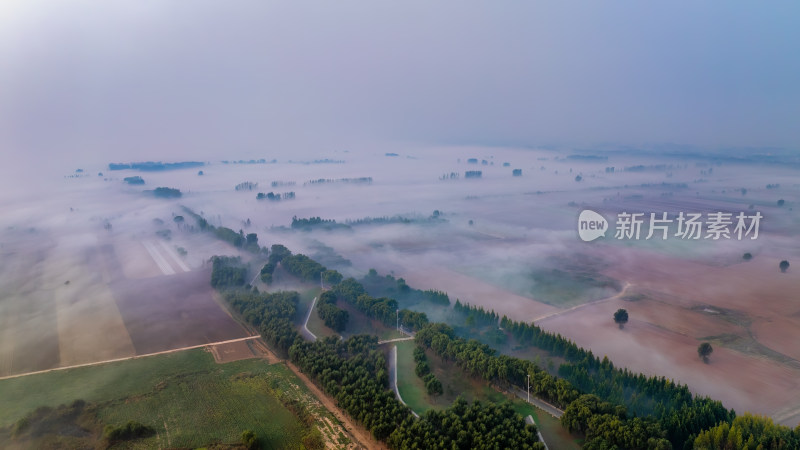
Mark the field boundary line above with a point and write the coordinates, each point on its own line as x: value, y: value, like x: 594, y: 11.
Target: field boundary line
x: 108, y: 361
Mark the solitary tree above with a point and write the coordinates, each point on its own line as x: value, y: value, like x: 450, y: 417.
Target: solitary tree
x: 704, y: 351
x: 747, y: 256
x: 784, y: 265
x: 621, y: 317
x: 781, y: 202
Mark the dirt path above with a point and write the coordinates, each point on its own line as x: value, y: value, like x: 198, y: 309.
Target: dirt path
x: 361, y: 436
x: 583, y: 305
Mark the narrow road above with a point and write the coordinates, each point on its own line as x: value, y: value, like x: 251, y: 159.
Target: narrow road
x: 529, y: 420
x: 306, y: 332
x: 253, y: 281
x: 541, y: 404
x: 407, y: 338
x: 129, y: 357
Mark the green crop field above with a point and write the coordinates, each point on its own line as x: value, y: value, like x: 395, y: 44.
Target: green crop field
x: 189, y: 399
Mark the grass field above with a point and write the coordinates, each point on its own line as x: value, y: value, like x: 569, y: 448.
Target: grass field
x: 189, y: 399
x: 556, y: 436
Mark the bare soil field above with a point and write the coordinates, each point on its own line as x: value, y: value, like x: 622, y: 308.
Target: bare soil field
x: 232, y: 351
x: 28, y: 318
x: 173, y: 311
x: 90, y: 327
x: 745, y: 309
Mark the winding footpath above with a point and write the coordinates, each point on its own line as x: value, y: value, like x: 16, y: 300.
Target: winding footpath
x: 306, y: 332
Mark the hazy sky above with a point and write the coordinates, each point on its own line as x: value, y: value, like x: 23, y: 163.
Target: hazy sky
x: 159, y: 79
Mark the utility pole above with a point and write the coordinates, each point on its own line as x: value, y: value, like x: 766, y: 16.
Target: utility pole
x: 321, y: 285
x: 529, y: 388
x: 398, y: 318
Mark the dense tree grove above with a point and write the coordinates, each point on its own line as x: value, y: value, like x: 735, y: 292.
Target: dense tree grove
x: 360, y: 180
x: 354, y: 373
x: 680, y: 414
x: 272, y: 314
x: 227, y: 271
x: 165, y: 192
x: 202, y: 223
x: 275, y: 196
x: 277, y: 252
x: 476, y: 316
x: 749, y: 432
x: 266, y: 272
x: 605, y: 426
x: 334, y: 317
x: 465, y: 426
x: 152, y: 166
x: 229, y: 236
x: 481, y: 361
x: 384, y: 309
x: 246, y: 186
x: 389, y: 286
x: 134, y: 180
x: 304, y: 267
x: 315, y: 222
x: 432, y: 385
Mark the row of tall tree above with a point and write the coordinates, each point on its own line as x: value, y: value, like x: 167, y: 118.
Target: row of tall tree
x: 389, y: 286
x: 423, y: 370
x: 384, y: 309
x: 227, y: 271
x: 333, y: 316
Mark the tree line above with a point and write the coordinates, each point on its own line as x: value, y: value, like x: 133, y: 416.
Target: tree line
x: 166, y: 192
x: 334, y: 317
x: 275, y: 196
x: 389, y: 286
x: 681, y: 414
x: 423, y: 370
x: 227, y: 271
x: 384, y: 309
x: 475, y: 315
x: 247, y: 241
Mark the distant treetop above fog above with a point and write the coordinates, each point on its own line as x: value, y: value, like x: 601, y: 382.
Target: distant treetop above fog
x: 151, y: 166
